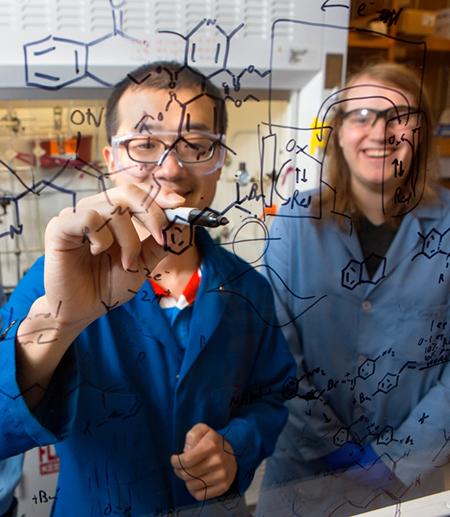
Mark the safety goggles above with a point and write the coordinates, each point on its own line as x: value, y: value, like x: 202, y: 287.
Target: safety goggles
x: 368, y: 117
x: 199, y: 151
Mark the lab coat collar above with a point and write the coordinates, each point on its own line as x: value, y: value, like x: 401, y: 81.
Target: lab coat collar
x: 217, y: 267
x: 144, y: 308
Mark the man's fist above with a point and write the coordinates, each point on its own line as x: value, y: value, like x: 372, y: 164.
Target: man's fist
x: 207, y: 464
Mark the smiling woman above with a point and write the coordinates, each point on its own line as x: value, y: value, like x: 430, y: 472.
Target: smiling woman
x: 380, y: 159
x: 369, y: 410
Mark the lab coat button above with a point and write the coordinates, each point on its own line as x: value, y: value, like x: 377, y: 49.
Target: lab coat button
x: 366, y: 305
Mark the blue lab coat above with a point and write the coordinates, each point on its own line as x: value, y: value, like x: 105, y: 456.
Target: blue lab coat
x: 373, y: 355
x: 125, y: 395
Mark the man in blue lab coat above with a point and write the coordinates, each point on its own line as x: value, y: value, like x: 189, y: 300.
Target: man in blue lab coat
x: 10, y: 470
x: 150, y: 355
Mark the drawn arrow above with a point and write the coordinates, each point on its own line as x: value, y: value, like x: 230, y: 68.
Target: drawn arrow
x: 304, y: 179
x: 327, y: 5
x: 398, y: 165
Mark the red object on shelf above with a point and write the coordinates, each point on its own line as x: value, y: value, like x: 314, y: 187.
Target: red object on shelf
x: 58, y: 153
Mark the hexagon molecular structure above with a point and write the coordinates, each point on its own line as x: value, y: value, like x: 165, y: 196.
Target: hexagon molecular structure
x: 376, y: 264
x: 432, y: 243
x: 366, y: 369
x: 386, y: 436
x: 125, y: 50
x: 351, y: 274
x: 43, y: 57
x: 175, y: 240
x: 341, y: 437
x: 388, y: 383
x: 215, y: 52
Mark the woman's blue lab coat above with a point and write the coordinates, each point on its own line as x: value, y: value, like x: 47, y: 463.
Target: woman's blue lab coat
x: 373, y: 353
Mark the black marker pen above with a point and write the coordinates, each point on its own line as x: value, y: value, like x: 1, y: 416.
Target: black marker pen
x: 186, y: 215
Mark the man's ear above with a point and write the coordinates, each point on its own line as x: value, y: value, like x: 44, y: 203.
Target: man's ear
x: 219, y: 172
x: 109, y: 159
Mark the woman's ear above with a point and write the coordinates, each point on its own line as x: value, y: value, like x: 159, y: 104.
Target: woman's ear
x: 338, y: 136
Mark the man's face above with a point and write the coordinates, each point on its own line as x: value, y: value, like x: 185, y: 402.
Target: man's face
x: 152, y: 115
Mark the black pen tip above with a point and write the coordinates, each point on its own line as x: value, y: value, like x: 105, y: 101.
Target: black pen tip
x: 224, y: 220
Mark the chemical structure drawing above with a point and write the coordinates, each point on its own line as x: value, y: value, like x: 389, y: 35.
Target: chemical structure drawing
x: 354, y: 273
x: 174, y: 242
x: 42, y: 55
x: 391, y: 379
x: 366, y: 369
x: 218, y: 56
x: 291, y: 389
x: 388, y: 383
x: 346, y: 437
x: 342, y: 436
x: 37, y: 186
x: 316, y: 392
x: 384, y: 383
x: 220, y: 47
x: 386, y: 435
x: 435, y: 243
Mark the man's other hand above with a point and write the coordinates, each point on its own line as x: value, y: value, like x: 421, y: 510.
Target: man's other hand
x: 207, y: 464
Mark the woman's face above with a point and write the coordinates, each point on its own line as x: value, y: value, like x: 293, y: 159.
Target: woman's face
x: 376, y: 135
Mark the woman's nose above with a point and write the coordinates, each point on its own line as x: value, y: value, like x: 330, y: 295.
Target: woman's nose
x: 378, y: 129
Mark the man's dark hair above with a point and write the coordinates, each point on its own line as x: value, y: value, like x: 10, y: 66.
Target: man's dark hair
x: 165, y: 75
